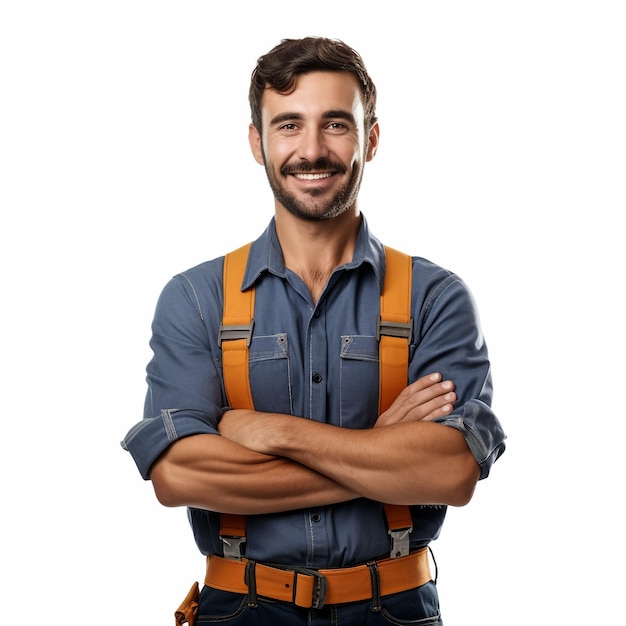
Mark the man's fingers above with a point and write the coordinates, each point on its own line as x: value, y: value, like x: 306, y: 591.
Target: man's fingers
x: 421, y: 392
x: 425, y: 381
x: 437, y: 406
x: 428, y: 398
x: 436, y: 412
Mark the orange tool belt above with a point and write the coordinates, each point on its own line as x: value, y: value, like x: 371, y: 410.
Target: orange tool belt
x: 310, y: 588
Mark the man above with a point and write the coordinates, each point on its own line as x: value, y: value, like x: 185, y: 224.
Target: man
x: 312, y: 464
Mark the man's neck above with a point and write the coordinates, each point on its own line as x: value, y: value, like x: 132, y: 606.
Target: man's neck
x: 313, y: 250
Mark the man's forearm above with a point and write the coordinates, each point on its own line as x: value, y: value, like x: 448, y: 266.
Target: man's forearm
x: 409, y: 463
x: 211, y: 472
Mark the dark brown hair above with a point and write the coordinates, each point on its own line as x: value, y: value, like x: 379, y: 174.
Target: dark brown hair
x: 281, y: 66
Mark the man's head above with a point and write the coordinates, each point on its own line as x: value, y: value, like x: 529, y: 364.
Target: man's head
x: 313, y: 125
x: 281, y: 66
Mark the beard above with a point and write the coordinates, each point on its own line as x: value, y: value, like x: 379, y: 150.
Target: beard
x: 315, y: 208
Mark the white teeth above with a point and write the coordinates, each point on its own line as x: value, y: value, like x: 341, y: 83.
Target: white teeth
x: 313, y: 176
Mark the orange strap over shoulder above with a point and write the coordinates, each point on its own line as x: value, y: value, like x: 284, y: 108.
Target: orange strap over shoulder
x: 393, y: 333
x: 394, y: 327
x: 236, y: 330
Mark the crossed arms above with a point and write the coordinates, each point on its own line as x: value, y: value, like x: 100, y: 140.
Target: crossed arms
x: 270, y: 462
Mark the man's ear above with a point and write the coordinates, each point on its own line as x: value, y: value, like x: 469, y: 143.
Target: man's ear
x: 372, y: 144
x: 255, y: 144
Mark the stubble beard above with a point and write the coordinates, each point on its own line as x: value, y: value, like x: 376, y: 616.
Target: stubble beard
x: 316, y: 209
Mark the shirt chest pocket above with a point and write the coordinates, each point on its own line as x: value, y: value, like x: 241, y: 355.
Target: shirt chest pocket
x: 270, y: 376
x: 358, y: 381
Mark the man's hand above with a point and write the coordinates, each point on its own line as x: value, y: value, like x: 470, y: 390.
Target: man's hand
x: 426, y: 399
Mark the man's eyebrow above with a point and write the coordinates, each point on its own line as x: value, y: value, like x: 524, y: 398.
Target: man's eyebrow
x: 285, y: 117
x: 340, y: 114
x: 296, y: 117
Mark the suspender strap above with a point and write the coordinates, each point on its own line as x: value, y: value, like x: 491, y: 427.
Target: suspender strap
x: 394, y: 327
x: 234, y: 339
x: 236, y: 330
x: 393, y: 333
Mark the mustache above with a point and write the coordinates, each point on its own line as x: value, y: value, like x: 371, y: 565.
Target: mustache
x: 304, y: 167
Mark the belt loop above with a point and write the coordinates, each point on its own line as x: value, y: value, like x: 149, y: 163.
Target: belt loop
x: 249, y: 578
x: 375, y: 576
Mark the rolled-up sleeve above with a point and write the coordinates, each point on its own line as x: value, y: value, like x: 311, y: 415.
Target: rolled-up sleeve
x: 185, y: 390
x: 482, y: 431
x: 450, y: 341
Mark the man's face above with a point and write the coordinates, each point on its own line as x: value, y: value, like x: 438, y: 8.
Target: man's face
x: 313, y: 144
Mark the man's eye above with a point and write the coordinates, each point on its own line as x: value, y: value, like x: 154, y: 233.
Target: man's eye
x: 337, y: 126
x: 288, y: 127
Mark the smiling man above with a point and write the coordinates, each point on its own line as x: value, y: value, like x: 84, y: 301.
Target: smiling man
x: 314, y: 143
x: 314, y: 485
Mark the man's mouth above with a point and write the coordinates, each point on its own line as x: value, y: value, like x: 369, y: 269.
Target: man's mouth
x: 302, y: 176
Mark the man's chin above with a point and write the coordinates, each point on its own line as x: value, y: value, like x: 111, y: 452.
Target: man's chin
x: 315, y: 213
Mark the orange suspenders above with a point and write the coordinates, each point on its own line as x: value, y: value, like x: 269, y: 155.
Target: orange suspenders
x: 393, y: 333
x: 236, y: 330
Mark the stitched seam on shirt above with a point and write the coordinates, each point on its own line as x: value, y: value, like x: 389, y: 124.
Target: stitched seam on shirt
x: 289, y: 388
x: 310, y: 381
x: 168, y: 424
x: 438, y: 290
x: 134, y: 430
x: 195, y: 295
x: 340, y: 390
x: 307, y: 520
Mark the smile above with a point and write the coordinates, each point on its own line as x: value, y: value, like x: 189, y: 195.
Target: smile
x: 313, y: 176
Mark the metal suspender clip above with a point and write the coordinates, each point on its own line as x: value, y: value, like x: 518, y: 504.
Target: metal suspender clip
x: 400, y: 542
x: 233, y: 546
x: 235, y: 331
x: 394, y: 329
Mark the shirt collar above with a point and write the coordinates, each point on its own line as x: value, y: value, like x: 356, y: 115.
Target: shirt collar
x: 266, y: 255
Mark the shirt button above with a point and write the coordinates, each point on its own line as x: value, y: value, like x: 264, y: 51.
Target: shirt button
x: 316, y: 517
x: 317, y: 378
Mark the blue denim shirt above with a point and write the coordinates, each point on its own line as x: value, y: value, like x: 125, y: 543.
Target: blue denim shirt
x: 316, y: 361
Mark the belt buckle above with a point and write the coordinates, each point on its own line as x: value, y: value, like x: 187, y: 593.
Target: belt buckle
x: 320, y: 586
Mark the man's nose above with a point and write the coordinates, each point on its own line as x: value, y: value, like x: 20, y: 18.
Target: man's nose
x: 312, y: 145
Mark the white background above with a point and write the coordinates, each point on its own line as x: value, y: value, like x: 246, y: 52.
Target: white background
x: 124, y: 159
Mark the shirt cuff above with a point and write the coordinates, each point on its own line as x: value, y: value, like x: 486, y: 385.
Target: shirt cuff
x: 147, y: 439
x: 482, y: 431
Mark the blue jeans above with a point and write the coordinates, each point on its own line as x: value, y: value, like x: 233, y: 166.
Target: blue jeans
x: 415, y: 606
